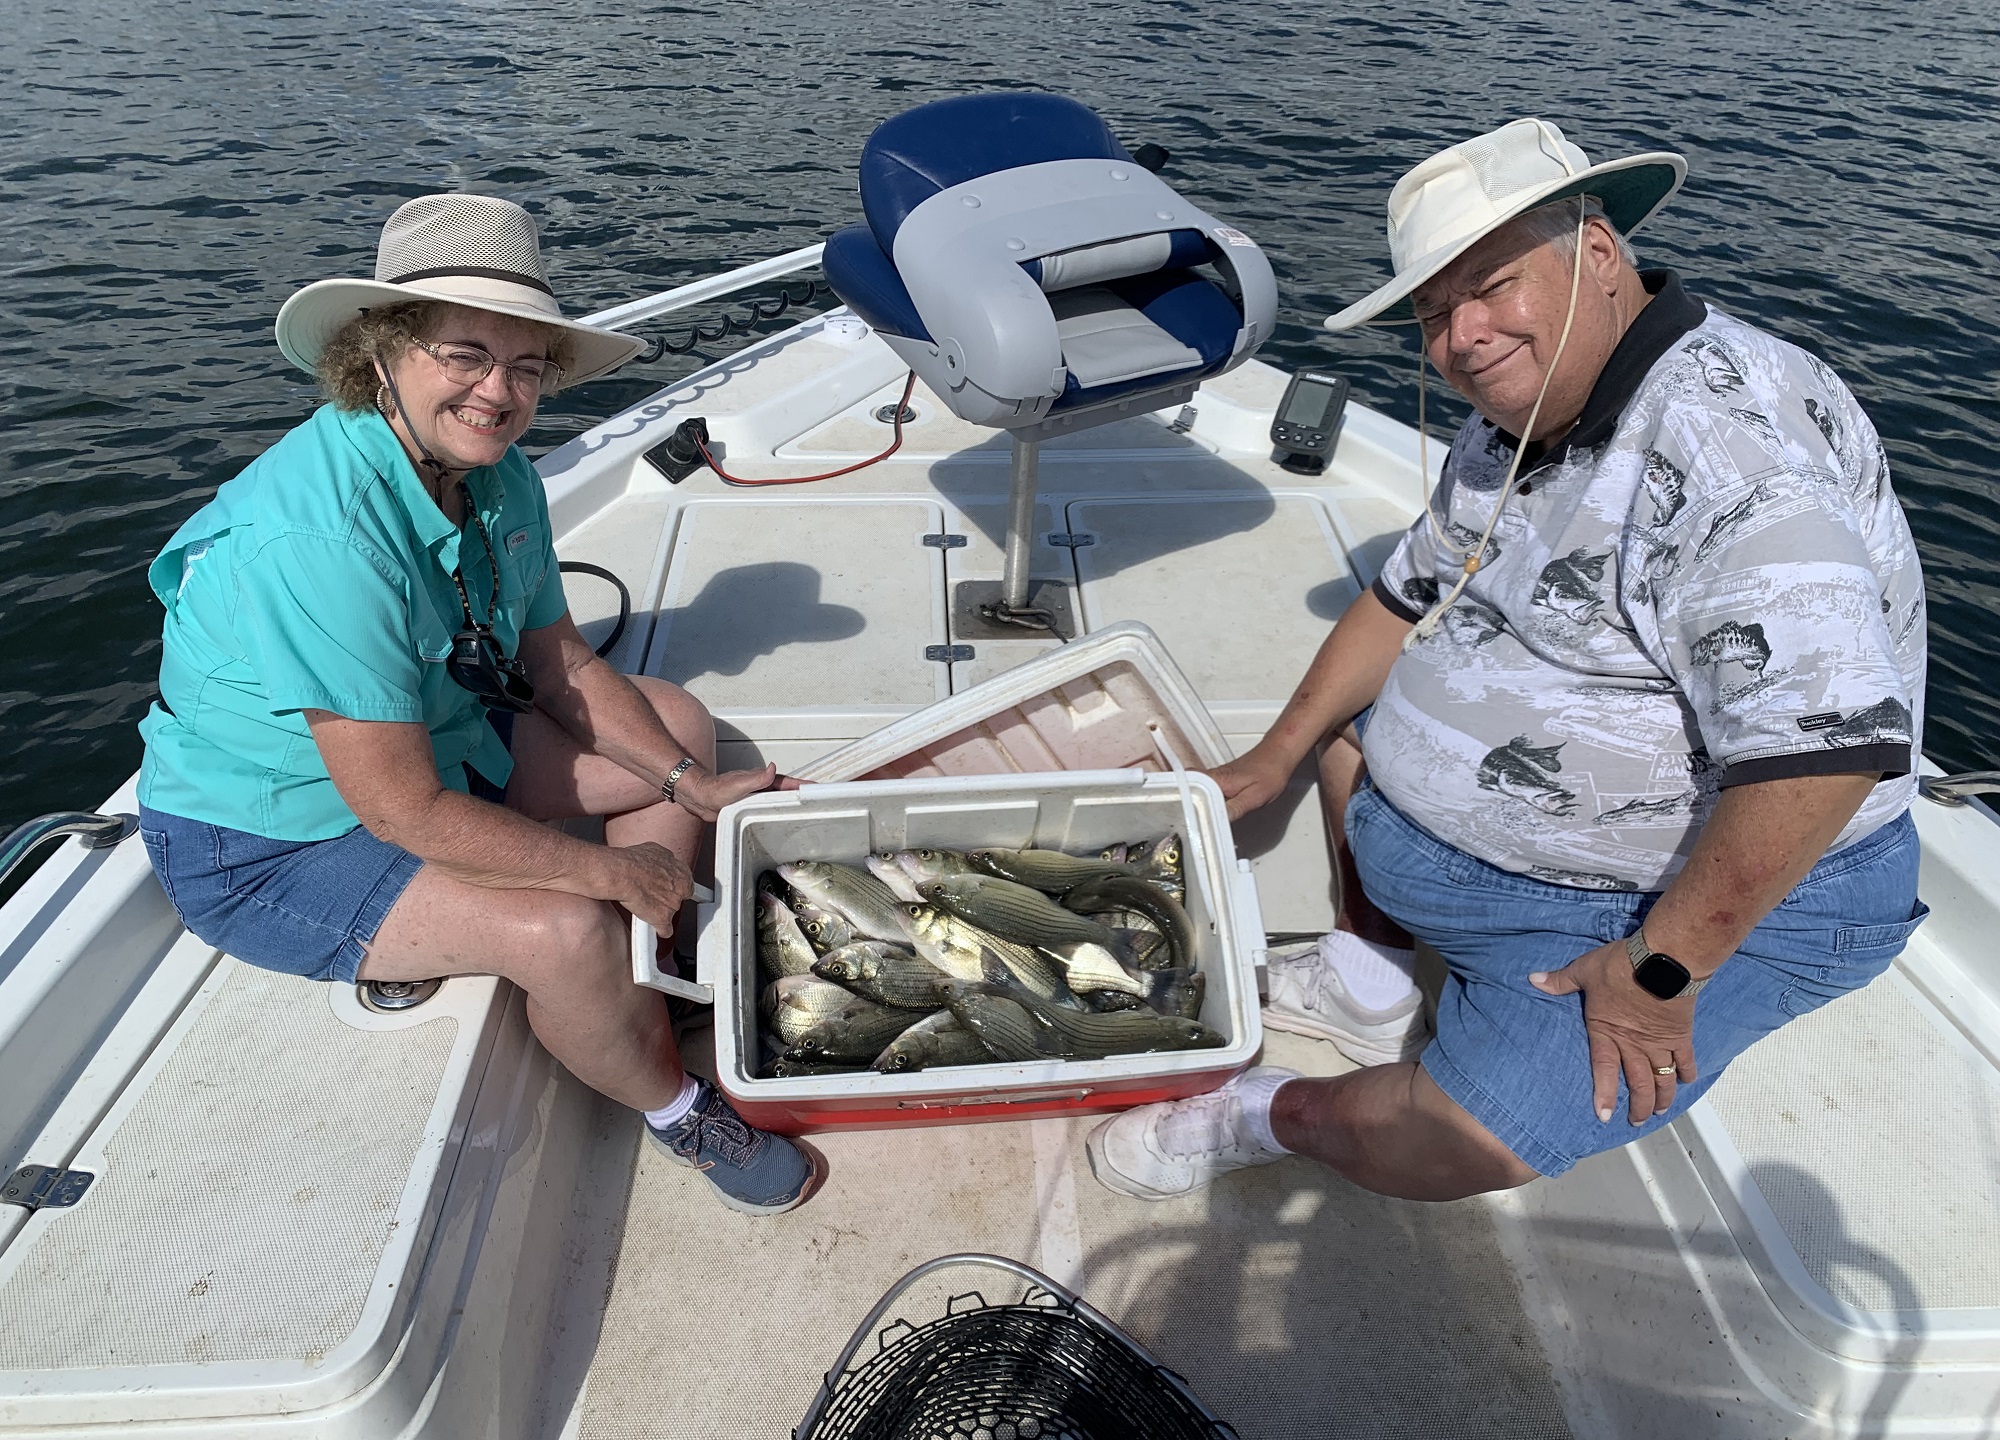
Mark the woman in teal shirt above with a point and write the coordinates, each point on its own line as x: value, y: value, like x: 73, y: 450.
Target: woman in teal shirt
x: 372, y: 692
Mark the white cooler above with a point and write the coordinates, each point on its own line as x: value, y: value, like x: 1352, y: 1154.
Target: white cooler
x: 1076, y: 811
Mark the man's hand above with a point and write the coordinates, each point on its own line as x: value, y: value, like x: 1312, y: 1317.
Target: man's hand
x: 1628, y: 1028
x: 704, y: 793
x: 654, y: 885
x: 1251, y: 781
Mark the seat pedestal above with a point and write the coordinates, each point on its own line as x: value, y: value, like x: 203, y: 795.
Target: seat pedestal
x: 1016, y: 607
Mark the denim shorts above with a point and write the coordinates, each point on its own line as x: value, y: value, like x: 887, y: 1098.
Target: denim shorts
x: 301, y: 907
x: 1517, y: 1060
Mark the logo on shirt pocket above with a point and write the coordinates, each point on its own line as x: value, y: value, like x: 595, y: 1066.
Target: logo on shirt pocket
x: 519, y: 538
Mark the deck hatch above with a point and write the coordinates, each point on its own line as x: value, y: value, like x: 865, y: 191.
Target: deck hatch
x: 1241, y: 586
x: 822, y: 606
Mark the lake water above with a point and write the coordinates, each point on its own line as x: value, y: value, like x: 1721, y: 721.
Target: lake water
x: 170, y: 171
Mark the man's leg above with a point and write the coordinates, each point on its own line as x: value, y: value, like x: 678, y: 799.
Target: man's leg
x: 1341, y: 770
x: 1389, y: 1129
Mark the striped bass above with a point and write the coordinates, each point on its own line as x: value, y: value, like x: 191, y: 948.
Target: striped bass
x: 1013, y: 911
x: 887, y: 974
x: 935, y: 1040
x: 855, y: 895
x: 782, y: 949
x: 965, y: 952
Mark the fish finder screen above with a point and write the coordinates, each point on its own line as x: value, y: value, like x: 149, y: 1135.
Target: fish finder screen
x: 1308, y: 405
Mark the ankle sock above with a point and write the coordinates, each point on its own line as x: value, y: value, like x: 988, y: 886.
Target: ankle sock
x: 1376, y: 976
x: 1256, y: 1092
x: 677, y: 1108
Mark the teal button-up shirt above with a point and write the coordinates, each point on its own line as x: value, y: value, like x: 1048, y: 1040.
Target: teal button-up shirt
x: 321, y: 578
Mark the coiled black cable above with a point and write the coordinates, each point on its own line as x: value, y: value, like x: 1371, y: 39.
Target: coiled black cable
x: 727, y: 325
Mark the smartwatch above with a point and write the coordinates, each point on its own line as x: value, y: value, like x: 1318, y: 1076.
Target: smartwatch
x: 1660, y: 976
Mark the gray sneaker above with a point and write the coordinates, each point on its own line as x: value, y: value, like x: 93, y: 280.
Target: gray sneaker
x: 752, y: 1170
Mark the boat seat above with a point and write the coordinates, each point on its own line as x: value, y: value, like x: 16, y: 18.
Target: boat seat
x: 1025, y: 266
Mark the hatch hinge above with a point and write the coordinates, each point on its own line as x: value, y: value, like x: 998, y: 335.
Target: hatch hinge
x: 945, y: 541
x: 947, y: 654
x: 1184, y: 421
x: 44, y: 1187
x: 1072, y: 540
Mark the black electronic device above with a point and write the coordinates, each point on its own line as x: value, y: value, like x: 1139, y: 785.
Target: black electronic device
x: 1307, y: 425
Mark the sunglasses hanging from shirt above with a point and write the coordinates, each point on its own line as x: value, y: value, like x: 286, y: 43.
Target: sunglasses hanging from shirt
x: 496, y: 679
x: 477, y: 663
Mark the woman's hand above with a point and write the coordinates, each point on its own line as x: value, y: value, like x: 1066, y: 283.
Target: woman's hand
x: 654, y: 884
x: 704, y: 793
x: 1251, y: 781
x: 1628, y: 1029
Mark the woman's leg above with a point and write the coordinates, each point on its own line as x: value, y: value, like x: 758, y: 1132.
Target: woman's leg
x: 572, y: 955
x: 557, y: 779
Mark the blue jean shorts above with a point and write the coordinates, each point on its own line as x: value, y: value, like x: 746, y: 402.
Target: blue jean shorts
x: 1518, y: 1061
x: 301, y: 907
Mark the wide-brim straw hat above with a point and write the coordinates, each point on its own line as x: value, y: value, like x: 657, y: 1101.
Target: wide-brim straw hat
x: 471, y: 250
x: 1459, y: 196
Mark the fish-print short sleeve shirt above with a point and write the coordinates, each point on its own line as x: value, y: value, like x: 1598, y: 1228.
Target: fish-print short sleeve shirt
x: 1709, y: 582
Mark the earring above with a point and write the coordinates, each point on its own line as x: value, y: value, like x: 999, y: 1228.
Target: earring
x: 382, y: 401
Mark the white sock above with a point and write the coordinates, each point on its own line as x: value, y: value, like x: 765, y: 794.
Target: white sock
x: 676, y: 1108
x: 1256, y: 1093
x: 1377, y: 976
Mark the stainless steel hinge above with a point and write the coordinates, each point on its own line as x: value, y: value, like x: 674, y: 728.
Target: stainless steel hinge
x: 1072, y: 540
x: 946, y: 541
x: 43, y: 1187
x: 1184, y: 421
x: 947, y: 654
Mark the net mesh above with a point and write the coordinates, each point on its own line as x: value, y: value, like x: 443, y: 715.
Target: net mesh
x: 1037, y: 1369
x: 451, y: 232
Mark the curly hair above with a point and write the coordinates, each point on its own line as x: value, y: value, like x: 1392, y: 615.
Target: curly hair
x: 347, y: 365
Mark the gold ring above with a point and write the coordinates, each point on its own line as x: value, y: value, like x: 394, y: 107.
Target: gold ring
x: 1665, y: 1069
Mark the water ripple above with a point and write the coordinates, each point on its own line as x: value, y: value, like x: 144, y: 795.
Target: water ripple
x: 158, y: 216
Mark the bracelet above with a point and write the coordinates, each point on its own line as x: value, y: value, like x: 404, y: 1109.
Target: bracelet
x: 674, y: 778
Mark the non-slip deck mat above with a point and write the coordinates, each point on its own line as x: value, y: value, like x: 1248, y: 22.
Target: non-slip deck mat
x: 246, y: 1200
x: 1886, y: 1214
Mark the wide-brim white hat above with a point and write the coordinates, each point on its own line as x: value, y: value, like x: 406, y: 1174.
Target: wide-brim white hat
x: 1455, y: 199
x: 472, y: 250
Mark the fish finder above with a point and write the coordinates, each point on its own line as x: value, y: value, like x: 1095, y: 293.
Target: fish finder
x: 1308, y: 421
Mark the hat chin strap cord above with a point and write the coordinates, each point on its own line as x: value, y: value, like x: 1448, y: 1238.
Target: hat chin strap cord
x: 433, y: 467
x: 1472, y: 559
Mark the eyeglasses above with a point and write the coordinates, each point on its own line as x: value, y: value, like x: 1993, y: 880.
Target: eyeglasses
x: 496, y: 679
x: 468, y: 365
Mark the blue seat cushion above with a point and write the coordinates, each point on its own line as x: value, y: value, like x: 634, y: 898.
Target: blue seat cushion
x: 863, y: 277
x: 913, y: 156
x: 1188, y: 307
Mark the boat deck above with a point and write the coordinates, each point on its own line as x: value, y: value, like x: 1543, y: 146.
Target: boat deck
x: 1293, y: 1303
x: 1810, y: 1252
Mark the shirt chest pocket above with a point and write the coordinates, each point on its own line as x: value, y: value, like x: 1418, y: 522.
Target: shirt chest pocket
x: 522, y: 562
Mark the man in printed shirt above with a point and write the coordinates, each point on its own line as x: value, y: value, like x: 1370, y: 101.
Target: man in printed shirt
x: 1639, y: 724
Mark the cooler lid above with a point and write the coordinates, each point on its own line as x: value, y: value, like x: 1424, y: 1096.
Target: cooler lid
x: 1101, y: 702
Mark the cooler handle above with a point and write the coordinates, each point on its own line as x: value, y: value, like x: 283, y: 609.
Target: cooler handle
x: 645, y: 955
x: 1249, y: 914
x: 1011, y: 1097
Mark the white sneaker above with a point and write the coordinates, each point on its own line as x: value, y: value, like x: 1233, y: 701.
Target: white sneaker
x: 1307, y: 997
x: 1157, y: 1152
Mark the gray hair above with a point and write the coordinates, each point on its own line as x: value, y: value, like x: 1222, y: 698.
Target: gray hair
x: 1556, y: 225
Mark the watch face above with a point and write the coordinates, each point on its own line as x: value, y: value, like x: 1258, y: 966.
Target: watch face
x: 1661, y: 975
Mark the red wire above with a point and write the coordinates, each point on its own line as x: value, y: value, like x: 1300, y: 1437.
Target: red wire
x: 902, y: 407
